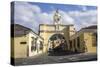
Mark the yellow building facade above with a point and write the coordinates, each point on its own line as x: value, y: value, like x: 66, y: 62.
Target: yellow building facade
x: 25, y: 42
x: 84, y: 40
x: 46, y: 31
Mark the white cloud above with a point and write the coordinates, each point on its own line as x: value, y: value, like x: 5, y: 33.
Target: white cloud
x: 31, y: 16
x: 84, y: 18
x: 25, y: 14
x: 66, y: 19
x: 46, y: 18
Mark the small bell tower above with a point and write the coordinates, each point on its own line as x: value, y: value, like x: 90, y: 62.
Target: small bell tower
x: 57, y: 20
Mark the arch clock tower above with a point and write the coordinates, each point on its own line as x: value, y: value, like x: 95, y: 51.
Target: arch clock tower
x: 48, y: 30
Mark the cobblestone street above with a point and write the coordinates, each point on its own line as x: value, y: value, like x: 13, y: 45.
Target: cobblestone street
x: 45, y: 59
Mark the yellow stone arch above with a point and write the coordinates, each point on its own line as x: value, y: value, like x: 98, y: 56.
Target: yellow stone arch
x: 47, y: 30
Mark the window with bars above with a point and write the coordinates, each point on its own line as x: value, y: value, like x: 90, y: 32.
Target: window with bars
x: 78, y: 42
x: 41, y: 45
x: 33, y: 44
x: 94, y: 39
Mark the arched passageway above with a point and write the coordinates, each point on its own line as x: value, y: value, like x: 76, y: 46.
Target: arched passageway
x: 57, y: 43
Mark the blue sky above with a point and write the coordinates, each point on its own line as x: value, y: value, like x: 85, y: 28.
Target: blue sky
x: 46, y: 7
x: 32, y: 14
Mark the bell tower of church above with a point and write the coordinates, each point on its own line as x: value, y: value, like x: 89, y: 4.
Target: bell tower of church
x: 57, y: 20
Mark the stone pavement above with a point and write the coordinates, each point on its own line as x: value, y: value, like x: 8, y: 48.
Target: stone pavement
x: 45, y: 59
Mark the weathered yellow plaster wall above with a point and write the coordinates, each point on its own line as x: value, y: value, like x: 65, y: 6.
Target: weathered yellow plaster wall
x: 89, y: 44
x: 19, y: 50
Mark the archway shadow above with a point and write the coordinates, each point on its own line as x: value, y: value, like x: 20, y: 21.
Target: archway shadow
x: 63, y: 53
x: 58, y: 51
